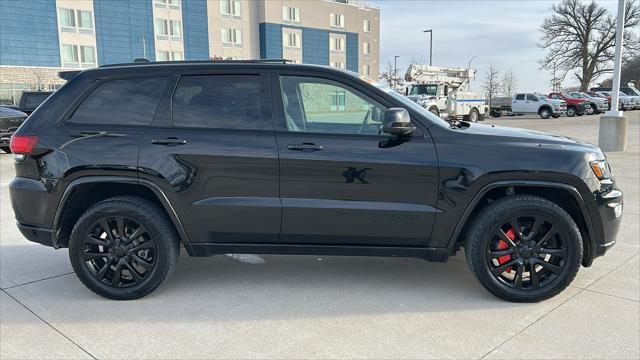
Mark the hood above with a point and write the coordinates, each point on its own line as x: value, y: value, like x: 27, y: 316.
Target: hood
x: 532, y: 138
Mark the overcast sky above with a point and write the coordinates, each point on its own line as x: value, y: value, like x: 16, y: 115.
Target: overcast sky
x: 505, y: 32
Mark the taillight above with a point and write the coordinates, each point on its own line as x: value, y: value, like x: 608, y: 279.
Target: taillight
x: 23, y: 144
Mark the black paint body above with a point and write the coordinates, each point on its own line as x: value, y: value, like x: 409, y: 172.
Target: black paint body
x: 247, y: 191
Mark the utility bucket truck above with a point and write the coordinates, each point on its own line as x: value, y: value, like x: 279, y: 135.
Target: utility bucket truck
x: 442, y: 91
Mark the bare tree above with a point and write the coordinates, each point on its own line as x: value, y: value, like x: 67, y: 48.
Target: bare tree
x: 391, y: 76
x: 509, y: 83
x: 581, y: 36
x: 491, y: 82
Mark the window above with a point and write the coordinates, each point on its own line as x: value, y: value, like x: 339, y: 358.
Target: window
x: 177, y: 56
x: 175, y: 3
x: 531, y: 97
x: 161, y: 27
x: 366, y: 70
x: 69, y: 54
x: 366, y: 48
x: 291, y: 40
x: 337, y: 44
x: 219, y: 101
x: 325, y: 106
x: 339, y: 65
x: 230, y: 7
x: 336, y: 20
x: 232, y: 36
x: 87, y: 55
x: 162, y: 56
x: 121, y: 102
x: 85, y: 19
x: 66, y: 17
x: 291, y: 14
x: 520, y: 97
x: 176, y: 28
x: 366, y: 26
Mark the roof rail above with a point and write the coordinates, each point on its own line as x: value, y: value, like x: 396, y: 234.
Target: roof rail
x: 143, y: 61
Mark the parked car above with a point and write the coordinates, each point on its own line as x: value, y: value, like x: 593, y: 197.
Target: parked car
x: 30, y: 100
x: 575, y: 106
x: 624, y: 102
x: 528, y: 103
x: 603, y: 96
x: 126, y: 162
x: 10, y: 120
x: 598, y: 104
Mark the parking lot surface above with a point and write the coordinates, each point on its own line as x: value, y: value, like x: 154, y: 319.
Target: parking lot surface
x: 326, y: 307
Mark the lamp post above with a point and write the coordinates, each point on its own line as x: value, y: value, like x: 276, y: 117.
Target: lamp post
x: 430, y: 31
x: 612, y: 133
x: 395, y: 70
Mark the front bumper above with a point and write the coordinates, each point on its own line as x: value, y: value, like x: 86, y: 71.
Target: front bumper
x: 610, y: 203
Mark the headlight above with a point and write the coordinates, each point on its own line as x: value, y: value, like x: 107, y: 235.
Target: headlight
x: 601, y: 169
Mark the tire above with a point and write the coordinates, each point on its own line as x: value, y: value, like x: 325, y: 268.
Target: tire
x: 555, y: 116
x: 474, y: 115
x: 545, y: 112
x: 496, y: 113
x: 6, y: 149
x: 571, y: 111
x: 434, y: 110
x: 552, y: 273
x: 594, y: 108
x: 141, y: 262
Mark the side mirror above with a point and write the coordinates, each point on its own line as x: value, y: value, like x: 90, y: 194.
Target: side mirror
x: 397, y: 122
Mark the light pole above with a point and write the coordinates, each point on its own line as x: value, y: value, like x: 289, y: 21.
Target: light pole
x: 395, y: 70
x: 612, y: 134
x: 430, y: 31
x: 469, y: 72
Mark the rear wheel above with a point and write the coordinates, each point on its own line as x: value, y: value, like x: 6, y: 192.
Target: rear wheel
x: 474, y: 115
x: 6, y: 149
x: 571, y: 111
x: 123, y: 248
x: 524, y: 248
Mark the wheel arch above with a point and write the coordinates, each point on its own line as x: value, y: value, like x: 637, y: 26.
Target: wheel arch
x: 86, y: 191
x: 545, y: 106
x: 565, y: 195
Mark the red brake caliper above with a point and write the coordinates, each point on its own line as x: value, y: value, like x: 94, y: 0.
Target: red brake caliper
x: 511, y: 234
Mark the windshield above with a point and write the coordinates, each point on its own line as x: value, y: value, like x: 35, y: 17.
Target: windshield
x: 635, y: 91
x: 540, y: 96
x: 411, y: 104
x: 431, y: 89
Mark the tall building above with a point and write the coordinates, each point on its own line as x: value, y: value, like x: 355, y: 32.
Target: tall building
x: 71, y: 34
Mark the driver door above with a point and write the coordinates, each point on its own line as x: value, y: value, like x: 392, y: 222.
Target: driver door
x: 342, y: 181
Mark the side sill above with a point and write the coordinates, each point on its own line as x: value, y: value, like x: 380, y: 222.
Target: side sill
x: 210, y: 249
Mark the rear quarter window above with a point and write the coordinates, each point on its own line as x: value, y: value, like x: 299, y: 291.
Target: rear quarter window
x: 121, y: 102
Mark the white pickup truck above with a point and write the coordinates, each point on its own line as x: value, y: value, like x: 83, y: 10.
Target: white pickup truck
x: 529, y: 103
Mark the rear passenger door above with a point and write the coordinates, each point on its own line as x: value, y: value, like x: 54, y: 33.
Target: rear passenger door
x: 518, y: 105
x: 213, y: 152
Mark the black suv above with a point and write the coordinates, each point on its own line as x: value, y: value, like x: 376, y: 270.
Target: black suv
x: 127, y: 162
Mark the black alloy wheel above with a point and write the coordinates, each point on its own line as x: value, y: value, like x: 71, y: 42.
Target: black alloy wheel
x: 119, y: 252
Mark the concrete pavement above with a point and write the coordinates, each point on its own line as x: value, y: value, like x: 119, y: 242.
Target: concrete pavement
x: 326, y: 307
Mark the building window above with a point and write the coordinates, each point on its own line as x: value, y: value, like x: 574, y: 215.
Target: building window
x: 85, y: 20
x: 162, y: 56
x: 231, y: 37
x: 87, y: 55
x: 162, y: 29
x: 67, y: 18
x: 290, y: 14
x: 175, y: 4
x: 337, y: 21
x: 337, y: 44
x: 366, y: 70
x: 230, y: 8
x: 339, y: 65
x: 175, y: 28
x: 177, y: 56
x: 366, y: 48
x: 291, y: 40
x: 366, y: 26
x: 69, y: 55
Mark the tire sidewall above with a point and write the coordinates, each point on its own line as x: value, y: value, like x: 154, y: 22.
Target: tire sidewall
x: 164, y: 249
x: 545, y: 113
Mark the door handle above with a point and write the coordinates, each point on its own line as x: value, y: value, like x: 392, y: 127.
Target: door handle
x: 170, y: 141
x: 304, y: 147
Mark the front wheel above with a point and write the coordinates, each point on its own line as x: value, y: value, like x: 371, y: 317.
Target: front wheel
x: 474, y: 115
x: 434, y: 110
x: 123, y: 248
x: 524, y: 248
x: 545, y: 113
x: 571, y: 111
